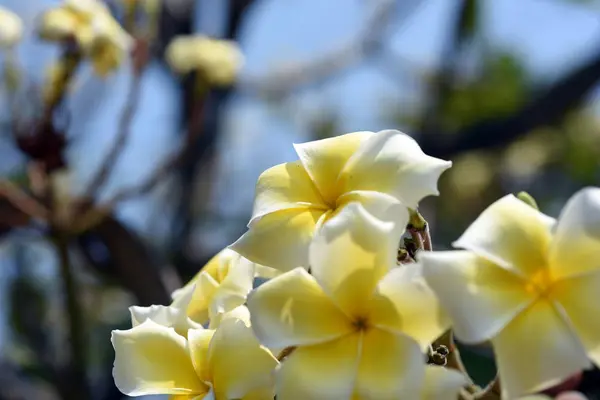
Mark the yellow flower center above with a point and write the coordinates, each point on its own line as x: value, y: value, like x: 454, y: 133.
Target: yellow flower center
x: 540, y: 282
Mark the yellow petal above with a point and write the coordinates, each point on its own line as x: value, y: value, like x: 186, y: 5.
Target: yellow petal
x: 324, y: 160
x: 170, y: 317
x: 512, y: 234
x: 199, y: 344
x: 202, y: 294
x: 480, y: 297
x: 238, y: 362
x: 379, y: 205
x: 392, y: 366
x: 153, y: 359
x: 576, y: 245
x: 537, y: 350
x: 405, y: 304
x: 234, y: 287
x: 350, y: 254
x: 241, y: 313
x: 578, y: 297
x: 285, y: 186
x: 442, y: 383
x: 392, y: 162
x: 280, y: 239
x: 323, y: 371
x: 292, y: 310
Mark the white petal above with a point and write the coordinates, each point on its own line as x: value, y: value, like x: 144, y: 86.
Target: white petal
x: 239, y: 364
x: 284, y: 312
x: 241, y: 313
x: 234, y: 287
x: 391, y: 367
x: 350, y: 254
x: 480, y: 297
x: 280, y: 239
x: 153, y: 359
x: 324, y: 160
x: 578, y: 296
x: 442, y: 383
x: 392, y: 162
x: 576, y: 244
x: 323, y: 371
x: 512, y: 234
x: 285, y: 186
x: 537, y: 350
x: 403, y: 303
x: 164, y: 315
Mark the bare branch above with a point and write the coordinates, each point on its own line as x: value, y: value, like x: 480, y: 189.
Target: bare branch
x: 368, y: 41
x: 21, y: 200
x: 120, y: 141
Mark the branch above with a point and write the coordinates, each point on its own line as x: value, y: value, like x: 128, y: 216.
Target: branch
x: 21, y: 203
x: 129, y: 260
x: 548, y: 108
x: 120, y: 141
x: 368, y: 41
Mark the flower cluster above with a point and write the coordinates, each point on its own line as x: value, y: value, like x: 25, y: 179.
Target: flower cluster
x: 218, y: 61
x: 89, y: 24
x: 340, y: 318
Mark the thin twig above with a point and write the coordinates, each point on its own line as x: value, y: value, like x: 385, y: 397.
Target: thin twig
x: 120, y: 141
x: 368, y: 41
x: 160, y: 174
x: 22, y: 200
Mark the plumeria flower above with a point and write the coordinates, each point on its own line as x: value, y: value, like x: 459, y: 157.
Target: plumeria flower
x: 529, y: 284
x: 358, y: 326
x: 11, y: 28
x: 90, y: 24
x: 220, y: 286
x: 222, y: 364
x: 219, y: 61
x: 294, y: 199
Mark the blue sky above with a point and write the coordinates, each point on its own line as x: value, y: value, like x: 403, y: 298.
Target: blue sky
x: 551, y: 34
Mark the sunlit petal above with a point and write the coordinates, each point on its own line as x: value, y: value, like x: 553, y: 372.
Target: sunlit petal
x: 238, y: 362
x: 537, y: 350
x: 153, y: 359
x: 350, y: 254
x: 324, y: 160
x: 512, y: 234
x: 380, y: 205
x: 391, y: 367
x: 285, y: 186
x: 234, y: 287
x: 323, y: 371
x: 241, y: 313
x: 480, y: 297
x: 392, y: 162
x: 578, y: 297
x: 280, y: 239
x: 204, y: 290
x: 164, y: 315
x: 292, y: 310
x: 199, y: 344
x: 576, y: 244
x: 404, y: 303
x: 442, y: 383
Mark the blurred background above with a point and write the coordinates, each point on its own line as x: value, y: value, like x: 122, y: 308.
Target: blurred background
x: 507, y: 90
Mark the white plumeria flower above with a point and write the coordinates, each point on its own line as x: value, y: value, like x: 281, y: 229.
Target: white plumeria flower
x: 530, y: 285
x: 11, y: 28
x: 293, y: 200
x: 222, y: 364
